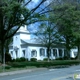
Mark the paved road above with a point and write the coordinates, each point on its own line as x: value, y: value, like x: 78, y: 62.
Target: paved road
x: 45, y: 74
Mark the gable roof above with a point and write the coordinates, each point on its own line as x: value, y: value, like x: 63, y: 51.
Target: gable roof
x: 32, y: 41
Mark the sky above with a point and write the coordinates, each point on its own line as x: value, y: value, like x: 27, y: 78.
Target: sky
x: 32, y: 4
x: 33, y: 27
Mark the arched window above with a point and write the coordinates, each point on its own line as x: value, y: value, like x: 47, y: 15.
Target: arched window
x: 42, y: 52
x: 33, y: 53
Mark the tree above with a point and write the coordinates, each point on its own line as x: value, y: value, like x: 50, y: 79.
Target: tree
x: 8, y: 57
x: 13, y: 14
x: 46, y: 35
x: 66, y: 16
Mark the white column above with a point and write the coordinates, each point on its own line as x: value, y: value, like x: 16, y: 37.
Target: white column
x: 62, y: 52
x: 57, y: 53
x: 20, y: 52
x: 38, y: 55
x: 14, y: 56
x: 28, y: 53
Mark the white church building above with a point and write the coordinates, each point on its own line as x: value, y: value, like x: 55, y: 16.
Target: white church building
x: 24, y: 46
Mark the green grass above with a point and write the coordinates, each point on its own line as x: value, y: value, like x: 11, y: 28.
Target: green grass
x: 15, y: 69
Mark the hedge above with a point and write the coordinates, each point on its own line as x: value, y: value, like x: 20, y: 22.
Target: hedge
x: 33, y: 59
x: 44, y: 64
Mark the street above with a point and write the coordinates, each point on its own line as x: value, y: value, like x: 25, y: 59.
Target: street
x: 46, y: 74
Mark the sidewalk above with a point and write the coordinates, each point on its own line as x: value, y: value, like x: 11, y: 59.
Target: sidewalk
x: 19, y: 71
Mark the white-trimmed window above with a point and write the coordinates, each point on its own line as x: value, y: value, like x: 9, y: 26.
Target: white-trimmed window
x: 60, y: 52
x: 55, y: 52
x: 16, y: 53
x: 42, y: 52
x: 75, y: 53
x: 33, y: 53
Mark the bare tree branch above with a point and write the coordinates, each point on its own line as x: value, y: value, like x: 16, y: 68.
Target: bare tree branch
x: 32, y: 11
x: 27, y: 3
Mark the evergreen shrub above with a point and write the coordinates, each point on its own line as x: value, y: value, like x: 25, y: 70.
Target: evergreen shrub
x: 45, y: 59
x: 20, y: 59
x: 7, y: 67
x: 33, y: 59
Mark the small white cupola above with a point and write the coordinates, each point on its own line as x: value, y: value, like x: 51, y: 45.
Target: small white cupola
x: 24, y: 33
x: 21, y: 34
x: 23, y: 29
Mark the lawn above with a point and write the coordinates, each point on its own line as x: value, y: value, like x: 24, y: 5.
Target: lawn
x: 15, y: 69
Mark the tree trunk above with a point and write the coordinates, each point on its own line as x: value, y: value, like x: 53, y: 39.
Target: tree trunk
x: 2, y: 52
x: 48, y: 54
x: 67, y: 47
x: 68, y: 53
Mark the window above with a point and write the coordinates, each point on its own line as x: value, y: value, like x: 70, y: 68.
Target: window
x: 60, y: 52
x: 75, y: 53
x: 55, y: 52
x: 33, y: 53
x: 16, y: 54
x: 23, y: 53
x: 42, y: 52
